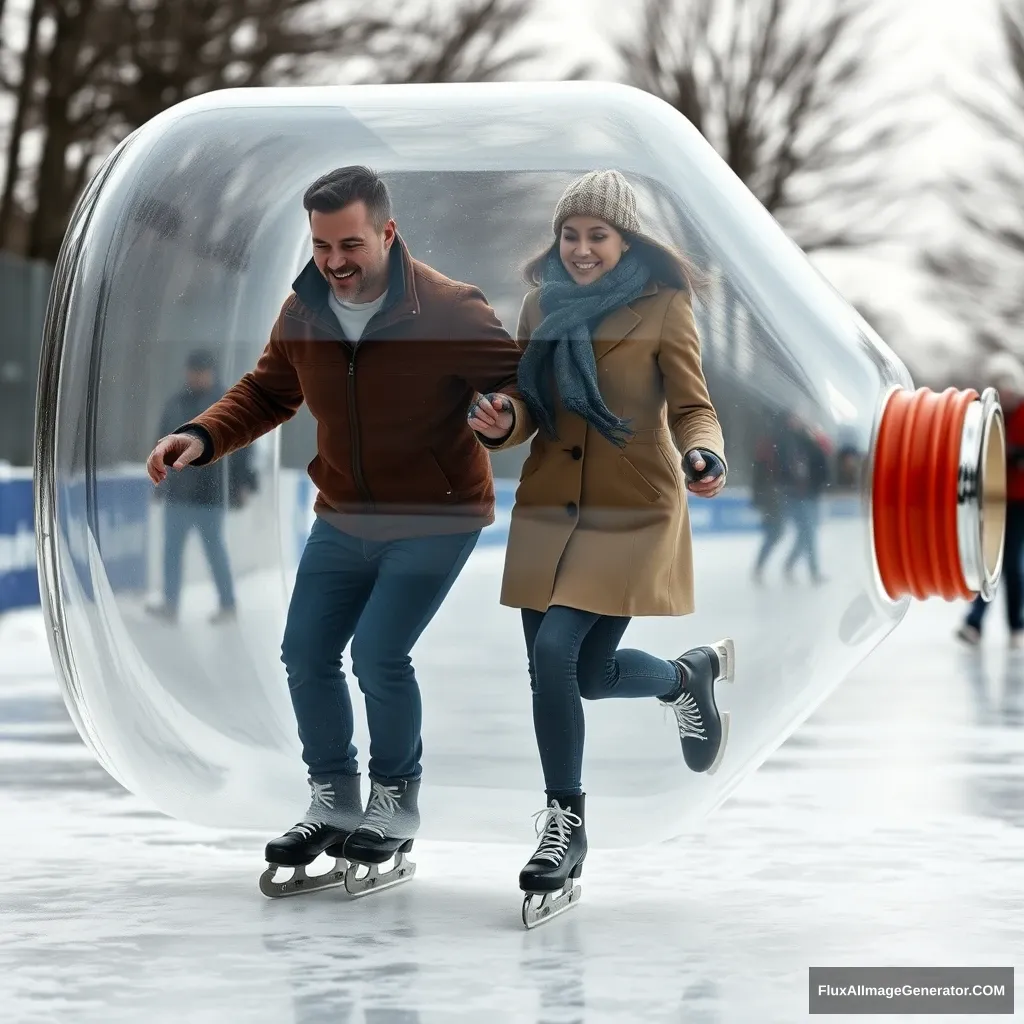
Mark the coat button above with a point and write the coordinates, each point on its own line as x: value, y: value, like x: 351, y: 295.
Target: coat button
x: 577, y: 452
x: 571, y: 508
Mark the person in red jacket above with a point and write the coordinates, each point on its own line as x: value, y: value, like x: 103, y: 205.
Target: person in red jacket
x: 1005, y: 373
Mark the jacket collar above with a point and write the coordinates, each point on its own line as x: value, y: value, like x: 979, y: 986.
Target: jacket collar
x: 312, y: 292
x: 619, y: 323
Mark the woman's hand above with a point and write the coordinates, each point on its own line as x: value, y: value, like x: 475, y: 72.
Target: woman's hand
x: 492, y: 415
x: 704, y: 471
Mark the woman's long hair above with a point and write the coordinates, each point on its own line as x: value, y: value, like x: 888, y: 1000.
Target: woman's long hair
x: 668, y: 266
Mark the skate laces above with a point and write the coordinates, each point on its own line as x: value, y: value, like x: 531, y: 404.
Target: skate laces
x: 382, y: 806
x: 323, y: 793
x: 304, y: 829
x: 687, y: 714
x: 557, y: 829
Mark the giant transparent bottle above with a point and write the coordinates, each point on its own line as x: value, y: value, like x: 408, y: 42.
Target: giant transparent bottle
x: 190, y: 236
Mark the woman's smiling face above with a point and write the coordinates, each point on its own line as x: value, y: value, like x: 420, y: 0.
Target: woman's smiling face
x: 589, y: 248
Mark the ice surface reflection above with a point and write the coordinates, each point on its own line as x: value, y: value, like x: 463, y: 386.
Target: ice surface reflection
x: 888, y: 830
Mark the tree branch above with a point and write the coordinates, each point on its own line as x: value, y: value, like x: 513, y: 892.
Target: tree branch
x: 771, y: 89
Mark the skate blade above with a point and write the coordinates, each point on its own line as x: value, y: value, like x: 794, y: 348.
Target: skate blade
x: 301, y: 882
x: 724, y: 716
x: 726, y: 651
x: 373, y: 880
x: 541, y: 907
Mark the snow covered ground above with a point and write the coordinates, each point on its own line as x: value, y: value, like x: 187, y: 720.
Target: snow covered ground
x: 888, y: 830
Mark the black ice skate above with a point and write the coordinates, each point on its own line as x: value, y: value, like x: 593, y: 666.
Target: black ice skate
x: 548, y: 877
x: 334, y: 811
x: 703, y: 730
x: 391, y: 820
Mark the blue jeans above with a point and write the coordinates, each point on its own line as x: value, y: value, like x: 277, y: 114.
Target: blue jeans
x: 572, y: 655
x: 772, y: 525
x: 804, y: 513
x: 208, y: 521
x: 381, y: 595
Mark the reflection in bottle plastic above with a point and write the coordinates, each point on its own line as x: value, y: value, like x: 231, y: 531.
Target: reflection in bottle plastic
x: 192, y: 233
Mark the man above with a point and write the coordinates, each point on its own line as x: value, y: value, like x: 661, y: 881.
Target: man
x: 806, y: 477
x: 199, y: 500
x: 766, y: 488
x: 790, y: 473
x: 388, y: 355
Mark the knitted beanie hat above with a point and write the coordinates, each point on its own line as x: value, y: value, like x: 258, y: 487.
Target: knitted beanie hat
x: 603, y: 194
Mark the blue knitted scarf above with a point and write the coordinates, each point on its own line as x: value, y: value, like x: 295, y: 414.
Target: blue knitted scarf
x: 560, y: 350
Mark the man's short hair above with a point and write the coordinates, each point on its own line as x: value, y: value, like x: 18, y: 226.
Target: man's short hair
x: 336, y: 189
x: 201, y: 359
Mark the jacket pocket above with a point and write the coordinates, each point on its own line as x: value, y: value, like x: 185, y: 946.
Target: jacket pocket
x: 637, y: 480
x: 672, y: 458
x: 441, y: 477
x: 530, y: 466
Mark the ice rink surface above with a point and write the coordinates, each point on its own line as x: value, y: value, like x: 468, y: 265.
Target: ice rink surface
x: 888, y: 830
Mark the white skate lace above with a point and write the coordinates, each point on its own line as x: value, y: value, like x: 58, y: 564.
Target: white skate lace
x: 323, y: 793
x: 688, y: 719
x: 557, y: 829
x: 381, y: 809
x: 304, y: 829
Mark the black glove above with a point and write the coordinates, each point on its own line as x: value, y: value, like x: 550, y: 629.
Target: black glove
x: 713, y: 466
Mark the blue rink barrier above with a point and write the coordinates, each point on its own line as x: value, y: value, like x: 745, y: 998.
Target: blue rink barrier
x: 19, y: 584
x: 121, y: 521
x: 730, y: 512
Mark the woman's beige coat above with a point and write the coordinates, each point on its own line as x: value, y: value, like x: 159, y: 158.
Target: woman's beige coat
x: 605, y: 529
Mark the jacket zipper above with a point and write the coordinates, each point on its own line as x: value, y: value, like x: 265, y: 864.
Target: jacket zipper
x: 353, y: 419
x: 353, y: 425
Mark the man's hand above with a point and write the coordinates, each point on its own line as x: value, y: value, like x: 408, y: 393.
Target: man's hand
x: 491, y: 415
x: 704, y: 472
x: 176, y: 450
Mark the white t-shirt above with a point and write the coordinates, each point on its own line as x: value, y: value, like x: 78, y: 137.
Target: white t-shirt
x: 354, y: 316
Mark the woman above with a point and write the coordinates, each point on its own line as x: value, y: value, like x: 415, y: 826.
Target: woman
x: 600, y: 529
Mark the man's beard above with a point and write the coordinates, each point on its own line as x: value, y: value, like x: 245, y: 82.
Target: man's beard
x: 353, y: 291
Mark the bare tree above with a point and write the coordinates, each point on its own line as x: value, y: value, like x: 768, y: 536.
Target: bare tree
x: 111, y: 65
x: 467, y: 43
x: 771, y: 84
x: 979, y: 271
x: 22, y: 111
x: 71, y: 114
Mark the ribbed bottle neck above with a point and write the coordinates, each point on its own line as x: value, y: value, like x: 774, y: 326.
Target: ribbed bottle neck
x: 939, y: 493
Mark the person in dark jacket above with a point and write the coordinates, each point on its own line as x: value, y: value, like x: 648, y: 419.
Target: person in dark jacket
x: 198, y: 501
x: 766, y: 489
x: 805, y: 476
x: 790, y: 473
x: 388, y: 354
